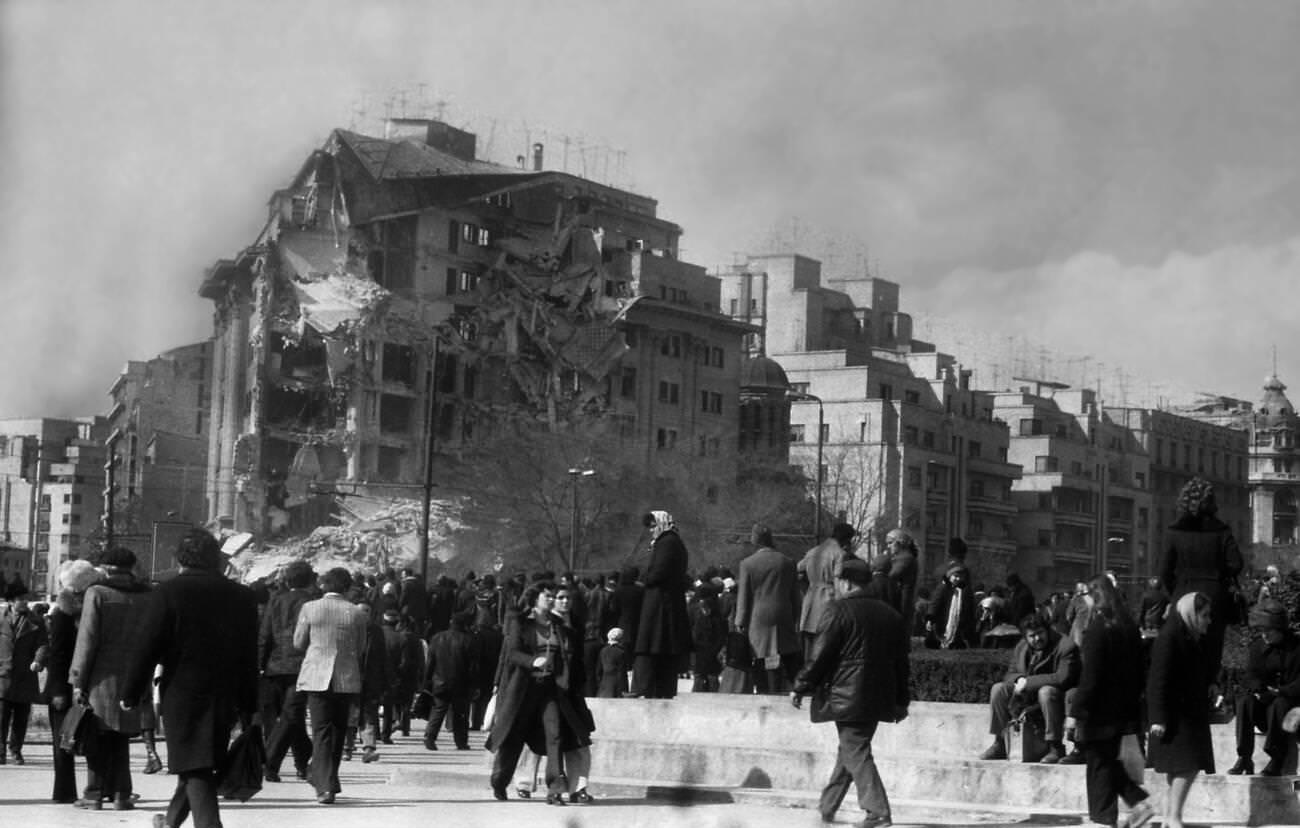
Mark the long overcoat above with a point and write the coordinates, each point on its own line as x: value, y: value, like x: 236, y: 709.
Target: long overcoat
x: 1107, y: 702
x: 202, y: 629
x: 664, y: 628
x: 768, y: 603
x: 113, y: 623
x: 62, y: 622
x: 517, y: 673
x: 23, y: 641
x: 821, y: 565
x: 1202, y: 556
x: 1178, y: 697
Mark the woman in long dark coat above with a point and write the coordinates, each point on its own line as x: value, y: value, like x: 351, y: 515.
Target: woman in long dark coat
x: 663, y: 635
x: 1106, y: 705
x: 1202, y: 556
x: 74, y: 578
x: 1179, y: 689
x: 539, y: 663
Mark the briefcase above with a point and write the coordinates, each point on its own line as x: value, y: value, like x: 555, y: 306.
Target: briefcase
x: 78, y: 726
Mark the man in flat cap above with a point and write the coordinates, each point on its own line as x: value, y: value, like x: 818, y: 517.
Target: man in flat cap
x: 1271, y: 688
x: 857, y: 675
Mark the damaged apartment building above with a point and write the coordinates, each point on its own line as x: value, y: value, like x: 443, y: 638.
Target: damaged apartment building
x: 402, y: 288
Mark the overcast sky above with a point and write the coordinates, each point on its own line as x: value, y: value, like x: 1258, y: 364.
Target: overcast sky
x: 1116, y: 180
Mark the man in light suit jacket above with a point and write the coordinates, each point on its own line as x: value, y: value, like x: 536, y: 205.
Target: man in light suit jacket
x: 332, y: 632
x: 767, y: 610
x: 821, y: 566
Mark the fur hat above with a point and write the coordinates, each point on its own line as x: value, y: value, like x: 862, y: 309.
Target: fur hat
x: 1268, y: 615
x: 78, y: 576
x: 614, y: 636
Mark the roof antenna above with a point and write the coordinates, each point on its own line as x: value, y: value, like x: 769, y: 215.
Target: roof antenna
x: 1275, y: 359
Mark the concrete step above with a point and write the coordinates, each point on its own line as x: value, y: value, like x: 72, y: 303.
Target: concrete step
x: 958, y: 730
x: 919, y: 775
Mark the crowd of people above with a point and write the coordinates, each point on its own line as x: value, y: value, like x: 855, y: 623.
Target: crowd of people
x: 333, y: 665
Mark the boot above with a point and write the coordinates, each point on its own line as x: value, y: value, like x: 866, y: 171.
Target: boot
x: 349, y: 743
x: 1244, y: 767
x: 997, y: 750
x: 152, y: 763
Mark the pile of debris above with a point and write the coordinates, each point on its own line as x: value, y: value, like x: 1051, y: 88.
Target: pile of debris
x: 375, y: 534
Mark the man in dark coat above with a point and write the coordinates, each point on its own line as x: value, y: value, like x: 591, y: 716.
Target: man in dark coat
x: 405, y: 656
x: 202, y: 629
x: 663, y: 636
x: 903, y: 570
x: 1044, y: 668
x: 452, y: 676
x: 628, y: 597
x: 284, y: 709
x: 1021, y: 600
x: 1271, y: 688
x: 857, y: 674
x: 767, y: 610
x: 23, y: 650
x: 413, y: 602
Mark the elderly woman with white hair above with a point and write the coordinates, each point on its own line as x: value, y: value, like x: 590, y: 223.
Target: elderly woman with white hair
x: 73, y: 578
x: 1180, y: 686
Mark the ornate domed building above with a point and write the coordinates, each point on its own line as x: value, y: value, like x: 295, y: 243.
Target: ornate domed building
x: 764, y: 409
x: 1274, y: 467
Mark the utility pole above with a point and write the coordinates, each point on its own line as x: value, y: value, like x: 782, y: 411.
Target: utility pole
x: 431, y: 423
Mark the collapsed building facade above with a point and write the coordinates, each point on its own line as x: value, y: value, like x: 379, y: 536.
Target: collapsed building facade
x: 403, y: 290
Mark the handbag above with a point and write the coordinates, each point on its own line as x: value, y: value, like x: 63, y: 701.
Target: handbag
x: 78, y: 724
x: 240, y: 775
x: 421, y: 705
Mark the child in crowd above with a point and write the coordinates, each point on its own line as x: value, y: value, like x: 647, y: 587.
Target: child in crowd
x: 612, y: 669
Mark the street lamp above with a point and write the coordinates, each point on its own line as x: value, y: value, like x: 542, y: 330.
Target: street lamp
x: 803, y: 396
x: 575, y: 474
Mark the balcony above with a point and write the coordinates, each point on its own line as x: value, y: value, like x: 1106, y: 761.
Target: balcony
x: 997, y: 468
x: 1075, y: 518
x: 1274, y: 477
x: 990, y: 505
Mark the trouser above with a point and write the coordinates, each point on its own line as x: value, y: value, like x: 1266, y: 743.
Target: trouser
x: 854, y: 763
x: 329, y: 724
x: 1051, y: 701
x: 367, y: 718
x: 65, y: 764
x: 397, y: 715
x: 591, y: 657
x: 108, y: 765
x: 478, y: 707
x: 13, y: 724
x: 458, y: 705
x: 776, y: 680
x: 654, y: 676
x: 538, y: 707
x: 1108, y: 781
x: 196, y: 795
x: 284, y: 716
x: 1266, y: 713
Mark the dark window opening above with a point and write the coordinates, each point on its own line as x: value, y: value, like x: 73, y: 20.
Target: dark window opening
x: 399, y: 364
x: 395, y: 413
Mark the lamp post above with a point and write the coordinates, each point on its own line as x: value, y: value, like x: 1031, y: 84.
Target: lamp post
x: 575, y: 474
x: 430, y: 433
x: 803, y: 396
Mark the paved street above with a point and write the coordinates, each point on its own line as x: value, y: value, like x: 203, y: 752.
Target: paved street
x: 444, y: 788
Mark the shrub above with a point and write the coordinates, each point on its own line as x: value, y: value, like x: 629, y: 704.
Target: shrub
x: 956, y: 675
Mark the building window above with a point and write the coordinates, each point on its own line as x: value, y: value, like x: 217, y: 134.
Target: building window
x: 711, y: 402
x: 392, y: 255
x: 796, y: 433
x: 1029, y: 428
x: 1140, y: 479
x: 627, y: 384
x: 977, y: 488
x: 1047, y: 463
x: 910, y: 435
x: 399, y: 364
x: 669, y: 392
x: 912, y: 397
x: 914, y: 476
x: 927, y: 439
x: 798, y: 388
x: 671, y: 346
x: 973, y: 449
x: 717, y: 358
x: 886, y: 391
x: 453, y: 236
x: 733, y: 307
x: 1044, y: 537
x: 666, y: 438
x: 1076, y: 468
x: 395, y: 413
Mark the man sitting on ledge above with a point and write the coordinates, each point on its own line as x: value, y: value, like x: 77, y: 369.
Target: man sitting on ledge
x: 1044, y: 667
x: 1271, y: 689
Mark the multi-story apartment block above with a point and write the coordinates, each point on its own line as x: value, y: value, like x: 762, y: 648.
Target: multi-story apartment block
x: 903, y: 438
x: 1178, y: 448
x: 401, y: 281
x: 158, y: 443
x: 1083, y: 500
x: 51, y: 494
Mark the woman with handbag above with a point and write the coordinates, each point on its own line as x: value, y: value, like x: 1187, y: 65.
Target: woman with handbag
x: 1106, y: 706
x: 113, y: 624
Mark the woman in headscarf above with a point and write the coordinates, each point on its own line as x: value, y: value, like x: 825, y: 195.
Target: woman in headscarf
x: 663, y: 636
x: 1106, y: 705
x: 74, y: 578
x: 1179, y: 689
x: 1202, y: 556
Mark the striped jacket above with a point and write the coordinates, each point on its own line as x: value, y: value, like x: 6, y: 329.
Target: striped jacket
x: 332, y: 632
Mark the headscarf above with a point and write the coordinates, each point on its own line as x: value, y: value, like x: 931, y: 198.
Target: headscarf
x: 903, y: 537
x: 660, y: 522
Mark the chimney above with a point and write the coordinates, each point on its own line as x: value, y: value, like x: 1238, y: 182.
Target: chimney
x: 537, y: 157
